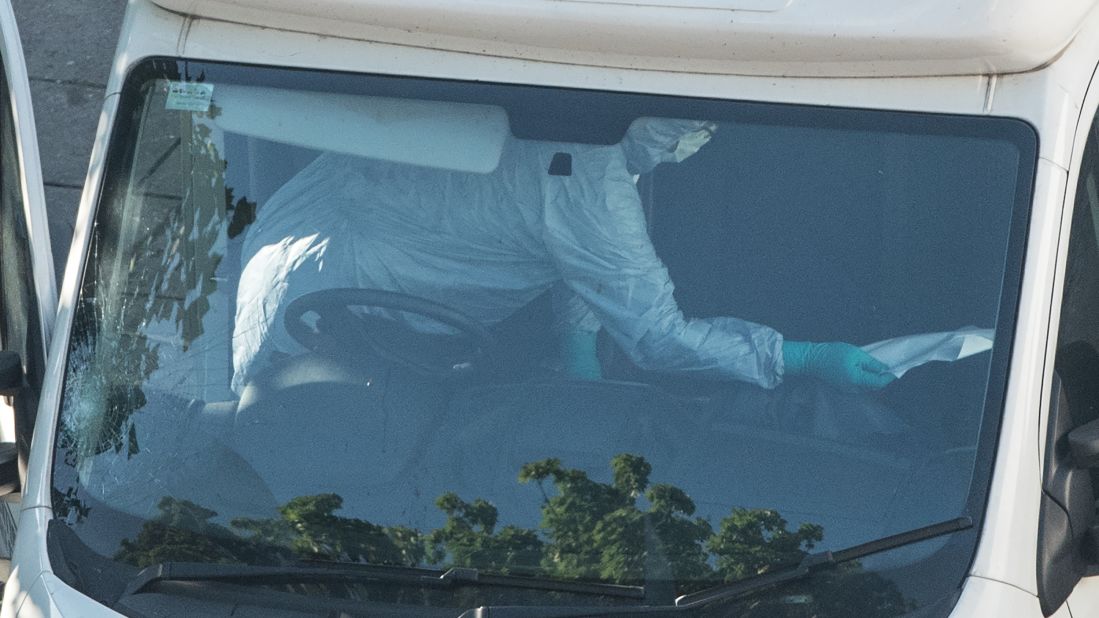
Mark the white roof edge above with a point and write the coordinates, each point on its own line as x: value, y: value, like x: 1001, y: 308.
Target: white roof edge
x: 837, y: 38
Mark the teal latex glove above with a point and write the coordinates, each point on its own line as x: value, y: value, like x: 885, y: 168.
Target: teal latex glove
x: 578, y: 354
x: 839, y: 364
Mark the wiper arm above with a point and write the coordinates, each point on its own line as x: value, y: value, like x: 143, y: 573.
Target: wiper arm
x: 355, y: 572
x: 461, y: 576
x: 817, y: 561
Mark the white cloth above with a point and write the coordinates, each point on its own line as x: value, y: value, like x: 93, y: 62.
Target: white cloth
x: 904, y: 353
x: 487, y: 244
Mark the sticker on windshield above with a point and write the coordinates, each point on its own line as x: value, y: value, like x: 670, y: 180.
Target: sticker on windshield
x: 189, y: 96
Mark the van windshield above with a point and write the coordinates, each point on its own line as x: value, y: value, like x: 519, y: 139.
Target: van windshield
x: 644, y: 343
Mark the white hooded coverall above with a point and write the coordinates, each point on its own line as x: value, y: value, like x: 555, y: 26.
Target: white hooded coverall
x: 488, y: 244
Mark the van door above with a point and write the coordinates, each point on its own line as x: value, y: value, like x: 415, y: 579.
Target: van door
x: 1076, y: 386
x: 28, y: 296
x: 1068, y: 543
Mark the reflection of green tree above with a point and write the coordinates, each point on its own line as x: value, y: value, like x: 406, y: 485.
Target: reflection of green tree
x: 307, y: 528
x: 597, y: 531
x: 626, y: 531
x: 183, y: 532
x: 751, y: 542
x: 840, y: 592
x: 848, y: 590
x: 310, y: 529
x: 469, y: 539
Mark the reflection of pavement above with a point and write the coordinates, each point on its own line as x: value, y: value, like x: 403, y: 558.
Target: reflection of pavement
x: 805, y: 451
x: 69, y: 46
x: 843, y: 461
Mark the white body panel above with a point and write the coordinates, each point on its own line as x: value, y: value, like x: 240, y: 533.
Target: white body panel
x: 747, y: 37
x: 1013, y: 506
x: 29, y: 562
x: 987, y: 598
x: 1053, y: 99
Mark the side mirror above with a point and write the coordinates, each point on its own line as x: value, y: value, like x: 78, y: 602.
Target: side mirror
x: 11, y: 373
x: 1067, y: 518
x: 1083, y: 443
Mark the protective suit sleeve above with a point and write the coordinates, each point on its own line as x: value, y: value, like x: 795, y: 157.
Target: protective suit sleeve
x: 594, y: 229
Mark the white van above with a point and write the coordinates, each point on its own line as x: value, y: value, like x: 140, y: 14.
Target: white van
x: 563, y: 308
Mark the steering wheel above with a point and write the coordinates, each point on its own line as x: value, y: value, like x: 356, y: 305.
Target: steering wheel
x: 338, y: 326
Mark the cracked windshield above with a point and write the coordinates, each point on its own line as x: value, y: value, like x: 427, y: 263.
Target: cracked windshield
x: 403, y: 345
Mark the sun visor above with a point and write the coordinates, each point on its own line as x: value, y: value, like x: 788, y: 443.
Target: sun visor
x: 453, y: 136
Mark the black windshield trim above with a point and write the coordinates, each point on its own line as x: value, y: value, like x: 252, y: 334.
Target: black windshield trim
x: 1014, y: 130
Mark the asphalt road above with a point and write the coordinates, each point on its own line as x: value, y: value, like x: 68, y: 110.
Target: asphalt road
x: 69, y: 45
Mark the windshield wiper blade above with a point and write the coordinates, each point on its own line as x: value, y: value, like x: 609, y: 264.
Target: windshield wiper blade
x: 357, y: 572
x: 817, y: 561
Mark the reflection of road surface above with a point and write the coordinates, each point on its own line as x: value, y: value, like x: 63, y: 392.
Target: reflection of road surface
x: 812, y: 454
x: 757, y: 449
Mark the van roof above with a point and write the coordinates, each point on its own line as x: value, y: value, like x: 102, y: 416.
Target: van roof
x: 754, y: 37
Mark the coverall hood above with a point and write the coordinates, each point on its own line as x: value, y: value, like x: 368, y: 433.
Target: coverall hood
x: 652, y: 141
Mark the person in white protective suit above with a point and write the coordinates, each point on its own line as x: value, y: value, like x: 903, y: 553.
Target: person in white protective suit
x: 488, y: 244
